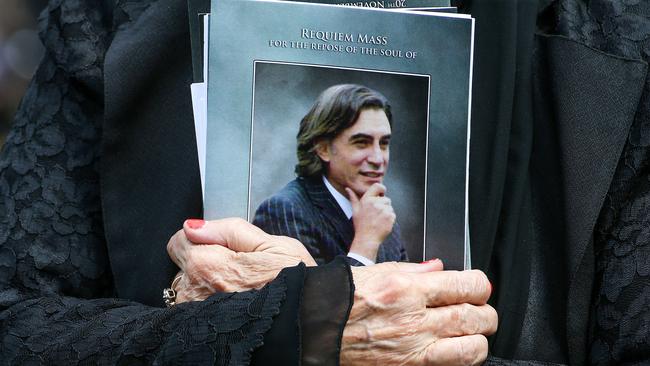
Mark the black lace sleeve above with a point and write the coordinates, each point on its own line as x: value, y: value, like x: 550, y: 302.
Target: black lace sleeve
x: 55, y: 280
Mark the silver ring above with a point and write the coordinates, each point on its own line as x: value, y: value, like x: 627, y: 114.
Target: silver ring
x: 169, y: 293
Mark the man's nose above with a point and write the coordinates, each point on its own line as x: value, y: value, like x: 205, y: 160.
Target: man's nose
x: 376, y: 155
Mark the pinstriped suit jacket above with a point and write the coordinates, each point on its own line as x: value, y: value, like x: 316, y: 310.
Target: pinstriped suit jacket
x: 304, y: 209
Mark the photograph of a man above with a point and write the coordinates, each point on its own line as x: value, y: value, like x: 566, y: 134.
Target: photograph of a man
x: 338, y: 204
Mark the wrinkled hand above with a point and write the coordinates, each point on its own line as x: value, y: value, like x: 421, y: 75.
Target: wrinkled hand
x: 230, y: 255
x: 415, y: 314
x: 373, y: 219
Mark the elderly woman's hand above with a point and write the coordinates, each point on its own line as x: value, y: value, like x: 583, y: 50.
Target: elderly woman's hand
x: 229, y: 255
x: 410, y: 314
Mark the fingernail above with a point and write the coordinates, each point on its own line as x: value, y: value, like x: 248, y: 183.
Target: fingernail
x: 430, y: 260
x: 195, y: 223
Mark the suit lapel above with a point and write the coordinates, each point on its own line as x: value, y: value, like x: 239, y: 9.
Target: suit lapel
x: 149, y: 170
x: 331, y: 211
x: 592, y: 114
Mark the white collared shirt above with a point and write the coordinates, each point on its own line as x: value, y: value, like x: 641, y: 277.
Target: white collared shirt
x: 343, y: 201
x: 346, y: 206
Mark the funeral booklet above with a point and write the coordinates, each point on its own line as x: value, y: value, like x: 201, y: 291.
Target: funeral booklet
x: 268, y: 61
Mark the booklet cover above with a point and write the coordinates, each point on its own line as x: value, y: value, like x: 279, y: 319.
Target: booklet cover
x: 198, y: 8
x: 265, y: 72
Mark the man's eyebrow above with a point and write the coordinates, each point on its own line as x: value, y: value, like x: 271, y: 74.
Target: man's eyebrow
x: 361, y: 135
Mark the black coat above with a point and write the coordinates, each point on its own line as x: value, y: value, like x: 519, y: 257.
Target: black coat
x: 558, y: 177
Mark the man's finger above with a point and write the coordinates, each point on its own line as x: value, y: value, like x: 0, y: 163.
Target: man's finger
x: 354, y: 199
x: 382, y: 200
x: 375, y: 190
x: 459, y: 320
x: 453, y: 287
x: 466, y: 350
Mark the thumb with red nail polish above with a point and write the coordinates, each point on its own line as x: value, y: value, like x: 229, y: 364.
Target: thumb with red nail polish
x: 194, y: 223
x: 199, y: 231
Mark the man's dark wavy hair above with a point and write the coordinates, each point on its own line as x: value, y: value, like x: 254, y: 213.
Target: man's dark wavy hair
x: 336, y: 109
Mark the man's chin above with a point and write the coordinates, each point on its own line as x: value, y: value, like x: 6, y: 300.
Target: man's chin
x: 368, y: 182
x: 360, y: 191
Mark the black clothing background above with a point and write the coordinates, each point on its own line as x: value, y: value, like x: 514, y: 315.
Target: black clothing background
x: 110, y: 106
x: 559, y: 180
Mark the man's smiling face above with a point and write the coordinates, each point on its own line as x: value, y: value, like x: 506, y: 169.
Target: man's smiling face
x: 358, y: 157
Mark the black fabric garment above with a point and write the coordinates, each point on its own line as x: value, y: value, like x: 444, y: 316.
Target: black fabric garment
x: 320, y: 324
x: 319, y: 316
x: 558, y: 176
x: 620, y: 303
x: 84, y: 124
x: 502, y: 122
x: 148, y: 141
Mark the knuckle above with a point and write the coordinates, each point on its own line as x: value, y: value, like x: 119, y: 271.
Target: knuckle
x: 215, y: 281
x: 394, y: 287
x: 468, y: 317
x: 458, y: 316
x: 222, y: 286
x: 173, y: 243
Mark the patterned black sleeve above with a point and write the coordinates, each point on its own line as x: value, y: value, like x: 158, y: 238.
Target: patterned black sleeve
x: 55, y: 280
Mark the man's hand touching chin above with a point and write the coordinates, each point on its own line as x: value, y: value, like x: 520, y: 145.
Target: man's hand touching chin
x: 373, y: 218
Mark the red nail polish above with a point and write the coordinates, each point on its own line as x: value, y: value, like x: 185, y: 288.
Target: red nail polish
x: 195, y: 223
x: 429, y: 261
